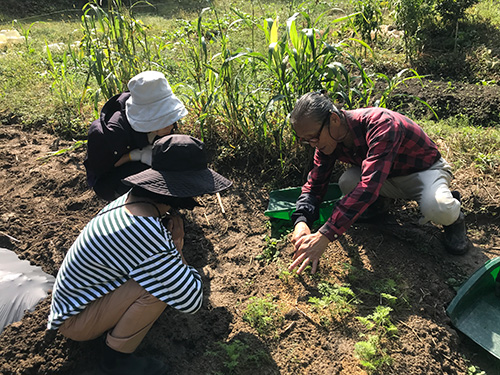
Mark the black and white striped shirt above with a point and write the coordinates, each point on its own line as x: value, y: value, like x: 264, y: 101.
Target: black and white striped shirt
x: 114, y: 247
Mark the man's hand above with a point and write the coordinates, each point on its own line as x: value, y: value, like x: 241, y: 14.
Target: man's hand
x: 308, y: 249
x: 301, y: 229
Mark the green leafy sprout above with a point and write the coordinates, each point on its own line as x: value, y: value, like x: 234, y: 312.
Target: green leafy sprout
x: 336, y: 302
x: 371, y: 352
x: 263, y: 315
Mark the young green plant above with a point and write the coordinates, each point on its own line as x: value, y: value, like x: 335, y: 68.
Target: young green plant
x: 335, y: 303
x: 371, y: 352
x: 263, y: 315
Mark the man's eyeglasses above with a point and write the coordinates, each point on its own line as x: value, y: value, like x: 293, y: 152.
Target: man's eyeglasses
x: 315, y: 139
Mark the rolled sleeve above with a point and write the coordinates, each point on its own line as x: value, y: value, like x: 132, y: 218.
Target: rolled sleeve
x: 306, y: 209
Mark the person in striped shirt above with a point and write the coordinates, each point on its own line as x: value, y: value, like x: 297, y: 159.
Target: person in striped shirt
x: 390, y: 156
x: 126, y: 266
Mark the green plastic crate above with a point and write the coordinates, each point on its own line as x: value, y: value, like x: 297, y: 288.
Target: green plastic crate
x: 282, y: 203
x: 475, y: 310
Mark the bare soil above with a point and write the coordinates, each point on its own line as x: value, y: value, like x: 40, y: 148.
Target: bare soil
x: 45, y: 204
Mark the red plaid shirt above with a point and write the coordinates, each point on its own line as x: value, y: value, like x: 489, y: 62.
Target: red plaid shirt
x: 386, y: 144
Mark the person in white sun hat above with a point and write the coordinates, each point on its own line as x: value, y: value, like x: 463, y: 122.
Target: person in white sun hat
x: 120, y: 141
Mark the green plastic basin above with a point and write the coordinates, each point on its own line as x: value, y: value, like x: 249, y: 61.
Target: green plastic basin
x: 475, y: 310
x: 282, y: 203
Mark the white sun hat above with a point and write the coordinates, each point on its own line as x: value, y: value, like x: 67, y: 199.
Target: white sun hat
x: 152, y: 104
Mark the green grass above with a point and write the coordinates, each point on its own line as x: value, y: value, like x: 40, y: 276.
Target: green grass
x: 487, y: 9
x: 238, y: 97
x: 466, y: 145
x: 27, y: 95
x: 25, y: 88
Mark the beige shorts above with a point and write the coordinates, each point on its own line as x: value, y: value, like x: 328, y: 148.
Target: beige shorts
x: 126, y: 314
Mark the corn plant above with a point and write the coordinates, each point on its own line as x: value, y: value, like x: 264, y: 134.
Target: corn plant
x: 67, y: 78
x: 25, y: 32
x: 369, y: 18
x: 393, y: 82
x: 202, y: 81
x: 304, y: 61
x: 299, y: 58
x: 65, y: 72
x: 223, y: 80
x: 351, y: 90
x: 73, y: 147
x: 116, y: 45
x: 299, y: 61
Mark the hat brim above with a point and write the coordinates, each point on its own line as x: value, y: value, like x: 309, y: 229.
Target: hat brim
x: 181, y: 184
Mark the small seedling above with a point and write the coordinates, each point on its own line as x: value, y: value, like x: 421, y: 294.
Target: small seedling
x: 263, y: 315
x: 391, y: 300
x: 380, y: 321
x: 371, y: 352
x: 237, y: 354
x: 270, y: 252
x: 371, y: 355
x: 73, y: 147
x: 336, y: 302
x: 353, y: 273
x: 474, y: 370
x: 394, y: 291
x: 285, y: 275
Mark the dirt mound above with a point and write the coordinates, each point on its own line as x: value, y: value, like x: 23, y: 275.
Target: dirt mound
x: 478, y: 103
x: 45, y: 204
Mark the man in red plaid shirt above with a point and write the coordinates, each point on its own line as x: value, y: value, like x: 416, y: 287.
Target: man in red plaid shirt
x: 391, y: 156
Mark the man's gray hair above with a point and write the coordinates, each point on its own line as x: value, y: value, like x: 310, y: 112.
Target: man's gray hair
x: 313, y: 105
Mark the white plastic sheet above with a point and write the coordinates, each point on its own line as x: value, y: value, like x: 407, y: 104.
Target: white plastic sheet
x: 22, y: 286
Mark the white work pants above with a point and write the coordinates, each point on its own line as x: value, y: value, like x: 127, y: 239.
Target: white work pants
x: 430, y: 188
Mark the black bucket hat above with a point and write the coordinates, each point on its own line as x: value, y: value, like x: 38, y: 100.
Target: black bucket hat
x: 179, y: 169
